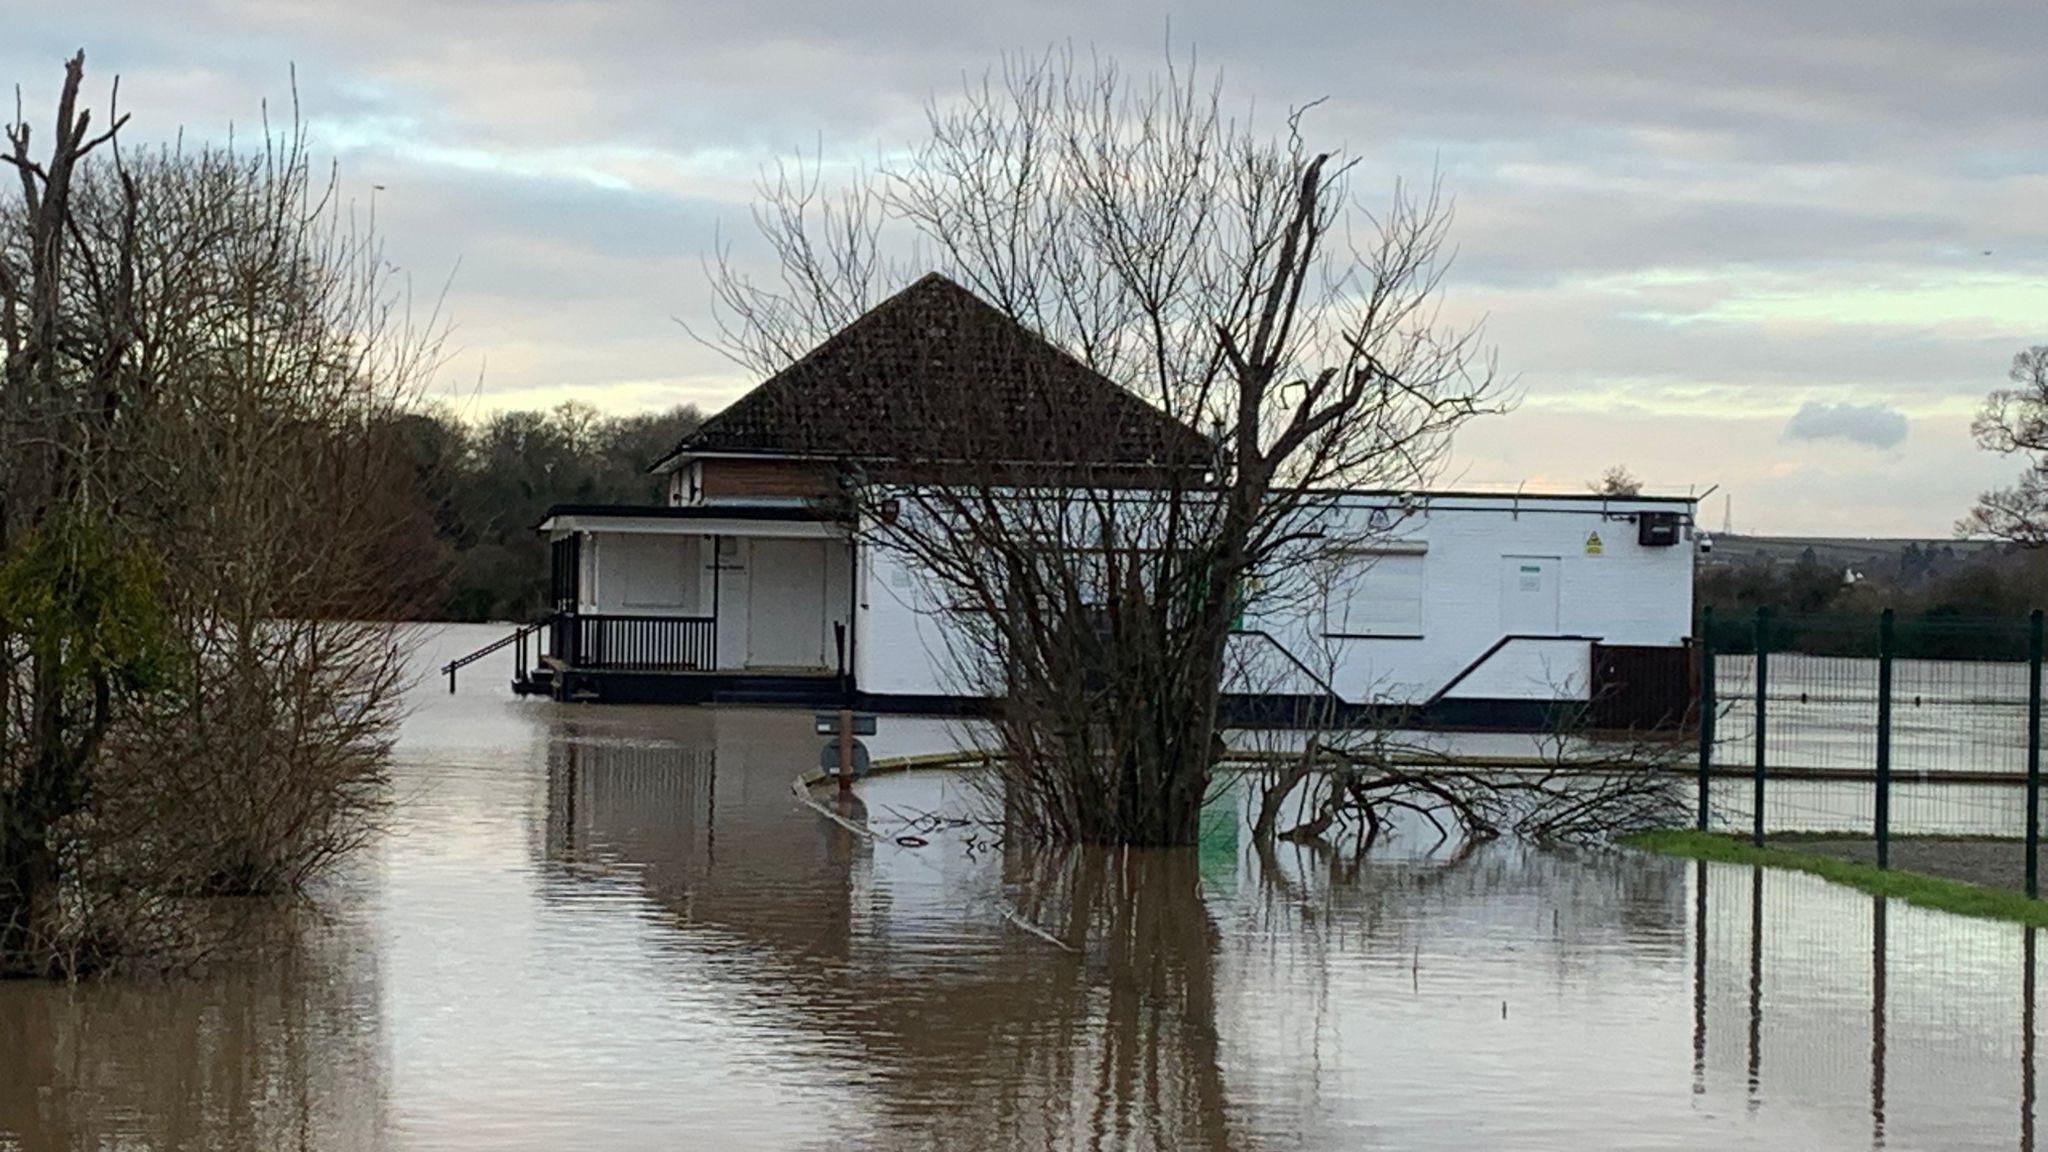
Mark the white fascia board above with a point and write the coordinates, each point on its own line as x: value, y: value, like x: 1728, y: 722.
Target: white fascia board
x: 1425, y: 502
x: 696, y: 526
x: 672, y: 463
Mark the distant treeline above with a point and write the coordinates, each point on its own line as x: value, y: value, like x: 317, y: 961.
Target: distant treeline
x: 488, y: 484
x: 1947, y: 604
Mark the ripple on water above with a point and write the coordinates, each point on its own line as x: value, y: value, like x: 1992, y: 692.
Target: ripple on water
x: 612, y: 927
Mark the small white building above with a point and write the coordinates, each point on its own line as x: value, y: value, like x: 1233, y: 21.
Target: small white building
x: 1469, y: 609
x: 1475, y: 609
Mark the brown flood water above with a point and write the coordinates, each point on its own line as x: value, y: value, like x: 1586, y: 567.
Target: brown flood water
x: 600, y: 927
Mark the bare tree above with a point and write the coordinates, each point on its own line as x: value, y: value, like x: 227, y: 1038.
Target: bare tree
x: 1349, y: 775
x: 1090, y: 560
x: 1618, y: 481
x: 2014, y: 422
x: 205, y: 523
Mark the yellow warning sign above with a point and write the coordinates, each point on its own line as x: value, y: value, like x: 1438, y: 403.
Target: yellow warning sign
x: 1592, y: 543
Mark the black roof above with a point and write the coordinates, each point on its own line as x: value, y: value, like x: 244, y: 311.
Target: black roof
x: 934, y: 373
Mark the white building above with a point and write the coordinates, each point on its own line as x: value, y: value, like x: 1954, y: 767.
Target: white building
x: 1475, y: 605
x: 1469, y: 609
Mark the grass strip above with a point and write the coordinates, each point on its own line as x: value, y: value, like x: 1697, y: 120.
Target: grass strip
x: 1923, y: 891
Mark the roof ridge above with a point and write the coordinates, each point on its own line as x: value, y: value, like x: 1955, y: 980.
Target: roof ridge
x: 958, y: 323
x: 713, y: 422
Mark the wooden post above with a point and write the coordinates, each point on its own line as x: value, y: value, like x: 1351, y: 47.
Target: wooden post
x: 846, y: 751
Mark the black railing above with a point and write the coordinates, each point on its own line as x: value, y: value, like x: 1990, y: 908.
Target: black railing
x: 518, y: 637
x: 665, y: 643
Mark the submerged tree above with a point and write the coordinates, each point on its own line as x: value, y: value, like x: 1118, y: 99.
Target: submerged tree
x: 205, y: 519
x: 1092, y: 580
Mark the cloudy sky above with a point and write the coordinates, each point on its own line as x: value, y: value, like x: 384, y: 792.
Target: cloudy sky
x: 1782, y: 248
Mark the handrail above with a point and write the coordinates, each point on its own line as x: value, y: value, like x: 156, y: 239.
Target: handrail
x: 521, y: 633
x: 1483, y: 657
x: 639, y: 642
x: 1328, y: 689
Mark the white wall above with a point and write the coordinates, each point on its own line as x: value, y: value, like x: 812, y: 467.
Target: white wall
x: 650, y: 567
x: 734, y: 579
x: 734, y: 576
x: 1625, y: 594
x: 797, y: 591
x: 644, y: 575
x: 901, y: 646
x: 838, y: 598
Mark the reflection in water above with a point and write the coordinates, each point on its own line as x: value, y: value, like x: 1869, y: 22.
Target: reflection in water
x: 1939, y: 1018
x: 1146, y: 1044
x: 2027, y: 1044
x: 1877, y: 950
x: 614, y: 927
x: 1699, y: 978
x: 1756, y: 984
x: 282, y: 1053
x: 1010, y: 1042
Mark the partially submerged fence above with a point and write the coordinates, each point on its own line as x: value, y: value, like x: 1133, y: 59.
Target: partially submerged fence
x: 1872, y: 726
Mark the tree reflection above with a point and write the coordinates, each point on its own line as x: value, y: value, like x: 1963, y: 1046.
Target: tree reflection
x: 985, y: 1037
x: 280, y: 1051
x: 1130, y: 1015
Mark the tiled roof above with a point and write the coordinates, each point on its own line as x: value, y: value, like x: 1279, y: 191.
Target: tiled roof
x: 935, y: 374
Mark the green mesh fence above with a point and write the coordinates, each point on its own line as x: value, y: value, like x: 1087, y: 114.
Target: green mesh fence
x: 1806, y: 697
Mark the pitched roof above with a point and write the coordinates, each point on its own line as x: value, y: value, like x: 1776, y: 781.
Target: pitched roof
x: 935, y: 374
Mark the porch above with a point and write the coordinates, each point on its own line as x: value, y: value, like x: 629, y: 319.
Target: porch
x: 697, y: 604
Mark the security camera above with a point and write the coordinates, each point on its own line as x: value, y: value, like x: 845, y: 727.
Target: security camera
x: 1706, y: 544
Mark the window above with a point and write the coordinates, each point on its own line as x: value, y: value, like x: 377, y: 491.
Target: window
x: 1374, y: 593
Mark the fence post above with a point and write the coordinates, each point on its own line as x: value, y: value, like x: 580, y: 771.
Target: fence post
x: 2033, y: 753
x: 1763, y: 666
x: 1706, y: 652
x: 1885, y: 645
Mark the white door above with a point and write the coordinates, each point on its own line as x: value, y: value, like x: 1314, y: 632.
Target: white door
x: 786, y: 604
x: 1528, y: 595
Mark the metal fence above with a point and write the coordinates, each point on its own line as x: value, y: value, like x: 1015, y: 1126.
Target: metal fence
x: 1839, y: 726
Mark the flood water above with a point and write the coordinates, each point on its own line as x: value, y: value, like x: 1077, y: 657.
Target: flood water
x: 603, y: 927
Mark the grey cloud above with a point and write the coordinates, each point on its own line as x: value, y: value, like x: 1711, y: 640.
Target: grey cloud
x: 1871, y: 424
x: 1767, y: 79
x: 1810, y: 143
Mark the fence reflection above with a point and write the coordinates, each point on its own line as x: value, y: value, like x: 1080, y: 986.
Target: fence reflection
x: 1938, y: 993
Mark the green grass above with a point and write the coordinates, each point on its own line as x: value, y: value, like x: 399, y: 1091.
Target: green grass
x: 1924, y: 891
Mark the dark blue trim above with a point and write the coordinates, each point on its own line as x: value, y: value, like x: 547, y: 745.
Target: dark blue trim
x: 1465, y: 714
x: 605, y: 686
x: 1489, y: 654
